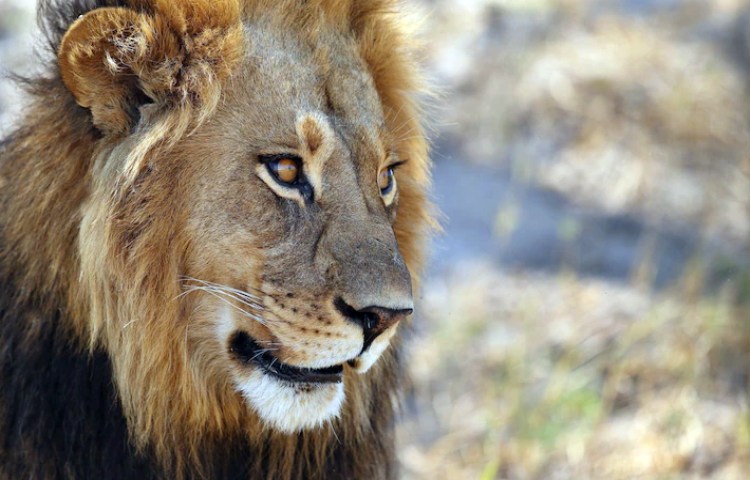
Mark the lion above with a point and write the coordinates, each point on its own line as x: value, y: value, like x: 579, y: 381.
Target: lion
x: 213, y: 216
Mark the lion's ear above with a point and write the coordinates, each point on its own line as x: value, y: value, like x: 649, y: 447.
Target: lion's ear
x: 97, y: 57
x: 114, y: 59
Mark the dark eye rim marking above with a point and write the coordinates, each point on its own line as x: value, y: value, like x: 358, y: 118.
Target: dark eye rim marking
x: 300, y: 184
x: 385, y: 191
x: 391, y: 169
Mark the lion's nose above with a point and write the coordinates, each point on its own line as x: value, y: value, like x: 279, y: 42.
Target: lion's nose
x: 374, y: 320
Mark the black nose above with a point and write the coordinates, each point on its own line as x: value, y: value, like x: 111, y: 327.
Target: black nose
x: 374, y: 320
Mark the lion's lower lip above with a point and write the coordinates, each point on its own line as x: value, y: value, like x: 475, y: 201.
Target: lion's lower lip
x: 247, y: 351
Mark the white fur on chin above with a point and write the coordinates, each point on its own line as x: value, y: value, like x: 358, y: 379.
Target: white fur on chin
x: 288, y: 407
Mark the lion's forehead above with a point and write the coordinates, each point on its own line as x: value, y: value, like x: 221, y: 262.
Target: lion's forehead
x: 286, y: 76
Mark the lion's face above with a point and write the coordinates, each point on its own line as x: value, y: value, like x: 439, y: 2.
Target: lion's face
x: 292, y: 252
x: 252, y: 196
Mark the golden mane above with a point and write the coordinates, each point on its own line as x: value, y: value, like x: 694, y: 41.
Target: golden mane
x: 116, y: 287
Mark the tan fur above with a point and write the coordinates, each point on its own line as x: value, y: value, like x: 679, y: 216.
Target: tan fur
x: 129, y: 217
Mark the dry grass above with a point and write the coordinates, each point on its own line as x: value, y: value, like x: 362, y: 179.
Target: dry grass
x: 530, y: 376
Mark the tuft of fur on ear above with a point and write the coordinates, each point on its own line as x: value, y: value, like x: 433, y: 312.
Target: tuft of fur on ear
x: 175, y: 52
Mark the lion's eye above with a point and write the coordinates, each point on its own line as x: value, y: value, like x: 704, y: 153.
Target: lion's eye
x: 285, y: 169
x: 385, y: 180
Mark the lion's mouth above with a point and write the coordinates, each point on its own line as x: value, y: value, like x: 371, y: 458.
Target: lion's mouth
x: 247, y: 351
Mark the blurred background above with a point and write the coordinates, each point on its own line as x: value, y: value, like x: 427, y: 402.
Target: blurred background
x: 586, y: 314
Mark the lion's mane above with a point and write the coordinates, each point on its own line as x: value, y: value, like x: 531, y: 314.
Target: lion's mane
x: 81, y: 397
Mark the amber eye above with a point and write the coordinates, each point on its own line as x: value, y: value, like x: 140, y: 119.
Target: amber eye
x: 385, y: 180
x: 285, y: 169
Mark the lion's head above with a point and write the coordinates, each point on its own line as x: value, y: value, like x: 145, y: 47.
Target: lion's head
x: 255, y: 211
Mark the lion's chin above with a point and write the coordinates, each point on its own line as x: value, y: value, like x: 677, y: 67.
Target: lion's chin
x: 290, y: 407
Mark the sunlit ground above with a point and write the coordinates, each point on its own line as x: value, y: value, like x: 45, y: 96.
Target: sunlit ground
x: 537, y: 376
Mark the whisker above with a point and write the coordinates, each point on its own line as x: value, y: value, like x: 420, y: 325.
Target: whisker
x: 250, y: 304
x: 224, y: 287
x: 210, y: 284
x: 215, y: 289
x: 261, y: 352
x: 245, y: 313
